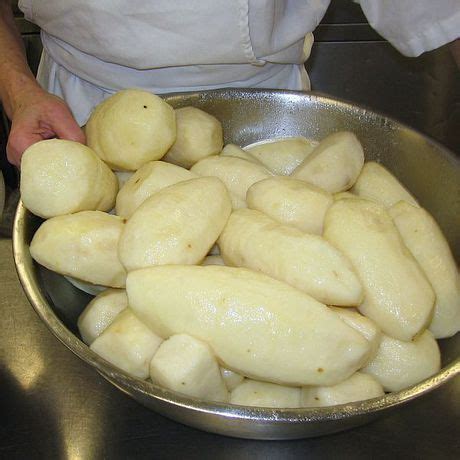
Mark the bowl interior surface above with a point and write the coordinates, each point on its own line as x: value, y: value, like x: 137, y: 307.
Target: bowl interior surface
x: 429, y: 171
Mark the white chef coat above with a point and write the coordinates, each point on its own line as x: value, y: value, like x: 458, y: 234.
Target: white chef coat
x: 94, y: 48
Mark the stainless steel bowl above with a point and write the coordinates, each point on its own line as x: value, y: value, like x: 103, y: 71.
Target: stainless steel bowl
x: 430, y: 172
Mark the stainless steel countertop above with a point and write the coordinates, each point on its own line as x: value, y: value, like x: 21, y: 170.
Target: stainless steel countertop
x: 54, y: 406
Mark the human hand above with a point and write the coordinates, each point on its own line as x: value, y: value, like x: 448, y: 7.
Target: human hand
x: 37, y: 115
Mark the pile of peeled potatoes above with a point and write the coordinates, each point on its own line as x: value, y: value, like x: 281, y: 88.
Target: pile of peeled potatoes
x: 286, y: 274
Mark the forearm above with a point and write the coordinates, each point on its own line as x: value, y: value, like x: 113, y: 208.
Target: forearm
x: 15, y: 75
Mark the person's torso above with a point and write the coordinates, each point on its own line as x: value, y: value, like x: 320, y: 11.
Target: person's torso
x: 144, y: 34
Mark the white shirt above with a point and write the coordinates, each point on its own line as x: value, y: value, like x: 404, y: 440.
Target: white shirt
x: 94, y: 48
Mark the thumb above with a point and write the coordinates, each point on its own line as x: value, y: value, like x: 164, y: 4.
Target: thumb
x: 66, y: 127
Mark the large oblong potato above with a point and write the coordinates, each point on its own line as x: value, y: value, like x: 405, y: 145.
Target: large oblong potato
x: 131, y: 128
x: 425, y: 240
x: 237, y: 175
x: 147, y: 180
x: 334, y: 164
x: 378, y: 184
x: 256, y: 326
x: 398, y: 365
x: 82, y: 245
x: 398, y: 296
x: 281, y: 156
x: 176, y: 225
x: 291, y: 202
x: 62, y: 177
x: 308, y: 262
x: 199, y: 134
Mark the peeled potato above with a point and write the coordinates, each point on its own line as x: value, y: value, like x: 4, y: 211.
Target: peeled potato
x: 177, y: 225
x: 187, y: 365
x: 334, y: 164
x: 290, y: 202
x: 376, y: 183
x: 358, y: 387
x: 231, y: 379
x: 364, y: 325
x: 398, y: 364
x: 100, y: 313
x: 147, y: 180
x: 128, y: 344
x: 131, y: 128
x: 264, y: 394
x: 422, y: 235
x: 256, y: 326
x: 199, y: 135
x: 232, y: 150
x: 82, y: 245
x: 308, y: 262
x: 237, y: 175
x: 397, y: 295
x: 282, y: 156
x: 62, y: 177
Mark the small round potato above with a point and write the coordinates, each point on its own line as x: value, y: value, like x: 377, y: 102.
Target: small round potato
x: 199, y: 135
x: 62, y: 177
x: 128, y: 344
x: 187, y: 365
x: 334, y: 164
x: 131, y: 128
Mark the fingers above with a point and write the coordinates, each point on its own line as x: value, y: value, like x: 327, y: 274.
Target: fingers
x: 45, y: 117
x: 65, y: 126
